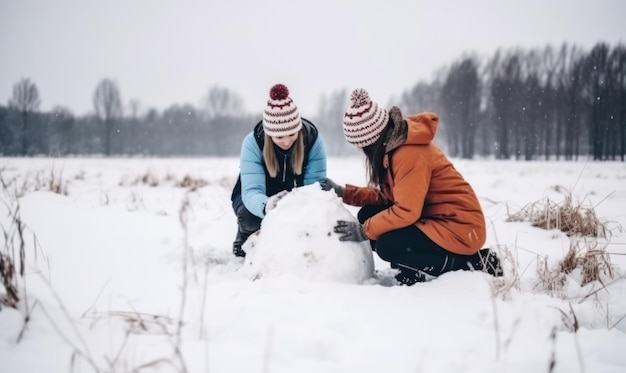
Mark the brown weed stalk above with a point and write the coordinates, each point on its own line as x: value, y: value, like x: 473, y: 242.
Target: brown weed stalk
x: 568, y: 216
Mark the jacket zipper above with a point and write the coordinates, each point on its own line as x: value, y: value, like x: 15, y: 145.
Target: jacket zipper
x: 284, y: 167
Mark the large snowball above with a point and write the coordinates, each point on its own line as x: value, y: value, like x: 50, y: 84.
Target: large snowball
x: 297, y: 238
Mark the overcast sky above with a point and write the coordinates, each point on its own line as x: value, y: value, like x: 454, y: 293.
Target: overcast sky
x: 171, y: 52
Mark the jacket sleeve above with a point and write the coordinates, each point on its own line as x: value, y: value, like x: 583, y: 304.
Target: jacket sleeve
x: 253, y: 192
x: 315, y: 169
x: 412, y: 173
x: 361, y: 196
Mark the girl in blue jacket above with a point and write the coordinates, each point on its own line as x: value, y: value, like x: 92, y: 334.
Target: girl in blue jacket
x: 282, y: 152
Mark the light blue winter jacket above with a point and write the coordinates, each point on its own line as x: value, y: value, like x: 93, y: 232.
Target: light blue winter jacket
x: 253, y: 175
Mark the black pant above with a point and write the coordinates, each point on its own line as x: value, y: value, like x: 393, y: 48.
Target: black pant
x: 247, y: 223
x: 410, y: 249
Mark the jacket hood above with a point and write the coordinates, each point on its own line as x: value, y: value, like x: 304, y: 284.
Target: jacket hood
x: 417, y: 129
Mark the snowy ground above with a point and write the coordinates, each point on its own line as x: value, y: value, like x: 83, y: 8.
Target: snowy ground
x: 127, y: 270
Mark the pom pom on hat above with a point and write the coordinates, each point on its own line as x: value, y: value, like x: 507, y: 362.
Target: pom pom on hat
x: 364, y: 120
x: 359, y: 97
x: 279, y: 92
x: 281, y: 116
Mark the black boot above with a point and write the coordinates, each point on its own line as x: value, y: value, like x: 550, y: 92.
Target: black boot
x: 490, y: 263
x: 247, y: 224
x: 409, y: 276
x: 237, y: 250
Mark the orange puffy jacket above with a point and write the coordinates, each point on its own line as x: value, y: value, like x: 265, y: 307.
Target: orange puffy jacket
x: 424, y: 189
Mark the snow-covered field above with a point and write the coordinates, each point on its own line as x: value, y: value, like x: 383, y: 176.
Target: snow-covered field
x: 129, y: 268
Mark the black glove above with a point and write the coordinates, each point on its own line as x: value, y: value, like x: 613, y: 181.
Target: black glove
x: 273, y: 200
x: 350, y: 231
x: 328, y: 184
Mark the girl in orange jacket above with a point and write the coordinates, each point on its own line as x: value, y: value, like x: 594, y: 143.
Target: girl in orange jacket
x: 418, y: 211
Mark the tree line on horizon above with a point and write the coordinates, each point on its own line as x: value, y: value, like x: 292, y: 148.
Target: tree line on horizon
x: 527, y: 104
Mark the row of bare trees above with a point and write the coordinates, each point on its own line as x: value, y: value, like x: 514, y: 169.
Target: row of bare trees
x: 548, y: 103
x: 532, y: 104
x: 215, y: 129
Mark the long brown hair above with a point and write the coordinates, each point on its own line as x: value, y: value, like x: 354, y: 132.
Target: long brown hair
x: 374, y: 157
x: 297, y: 156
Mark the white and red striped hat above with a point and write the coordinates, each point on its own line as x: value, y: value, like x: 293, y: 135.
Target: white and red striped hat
x: 364, y: 120
x: 281, y: 116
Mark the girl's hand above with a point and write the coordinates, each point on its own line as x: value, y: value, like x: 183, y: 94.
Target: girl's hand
x: 350, y: 231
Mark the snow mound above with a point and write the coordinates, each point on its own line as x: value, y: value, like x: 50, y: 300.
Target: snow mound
x: 297, y: 239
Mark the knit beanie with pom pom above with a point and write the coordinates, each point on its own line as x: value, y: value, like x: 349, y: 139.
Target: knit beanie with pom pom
x: 281, y: 116
x: 364, y: 120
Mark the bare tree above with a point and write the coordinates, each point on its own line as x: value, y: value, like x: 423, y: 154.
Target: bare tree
x: 131, y: 146
x: 460, y: 97
x: 222, y: 102
x: 108, y: 106
x: 573, y: 106
x: 596, y: 75
x: 531, y: 112
x: 500, y: 97
x: 331, y: 109
x: 550, y: 101
x: 26, y: 99
x: 617, y: 72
